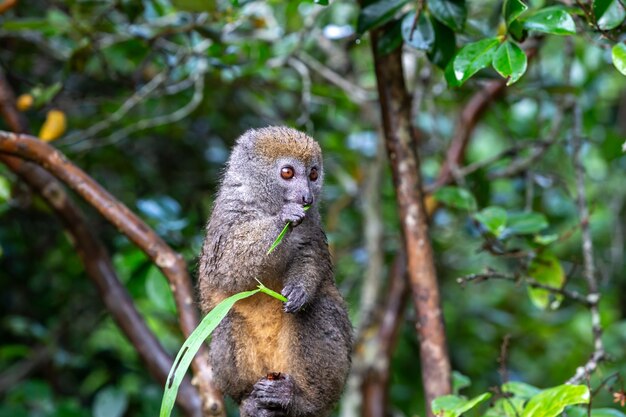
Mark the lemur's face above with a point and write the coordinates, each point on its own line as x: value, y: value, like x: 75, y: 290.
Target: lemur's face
x: 300, y: 181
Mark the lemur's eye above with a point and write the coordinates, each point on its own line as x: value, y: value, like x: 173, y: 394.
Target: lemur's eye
x: 287, y: 172
x: 313, y: 174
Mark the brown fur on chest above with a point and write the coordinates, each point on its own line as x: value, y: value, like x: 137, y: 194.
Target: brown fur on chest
x: 262, y: 342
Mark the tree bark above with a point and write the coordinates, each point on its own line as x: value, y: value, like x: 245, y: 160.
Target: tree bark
x: 401, y: 143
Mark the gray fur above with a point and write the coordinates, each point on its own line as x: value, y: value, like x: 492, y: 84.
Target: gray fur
x: 308, y: 339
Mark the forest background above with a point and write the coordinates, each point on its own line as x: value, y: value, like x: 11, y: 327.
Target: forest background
x: 516, y: 112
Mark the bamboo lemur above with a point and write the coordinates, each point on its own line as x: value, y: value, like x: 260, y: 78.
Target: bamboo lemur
x: 275, y: 359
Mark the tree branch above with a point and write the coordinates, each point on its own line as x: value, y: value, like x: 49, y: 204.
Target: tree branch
x: 469, y: 118
x: 401, y: 140
x: 598, y: 354
x: 95, y: 259
x: 171, y: 263
x: 491, y: 274
x: 470, y: 115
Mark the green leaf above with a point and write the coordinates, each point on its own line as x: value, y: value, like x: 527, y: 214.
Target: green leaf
x: 506, y: 407
x: 321, y: 2
x: 473, y: 57
x: 5, y: 189
x: 17, y: 25
x: 512, y: 9
x: 377, y: 14
x: 190, y: 348
x: 456, y: 197
x: 282, y: 234
x: 510, y: 61
x: 552, y: 20
x: 526, y: 223
x: 454, y: 405
x: 448, y: 73
x: 110, y: 402
x: 618, y: 53
x: 546, y: 269
x: 493, y: 219
x: 43, y: 95
x: 459, y: 381
x: 444, y: 47
x: 58, y: 20
x: 609, y: 13
x: 270, y: 292
x: 552, y: 402
x: 451, y: 13
x: 545, y: 240
x: 422, y: 37
x: 159, y: 291
x: 520, y: 389
x: 517, y: 31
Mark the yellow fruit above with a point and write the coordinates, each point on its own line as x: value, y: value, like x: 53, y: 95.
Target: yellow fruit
x: 430, y: 204
x: 25, y: 102
x: 53, y: 127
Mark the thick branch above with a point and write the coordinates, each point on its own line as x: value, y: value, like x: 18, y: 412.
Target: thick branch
x: 171, y: 263
x: 95, y: 259
x: 470, y: 115
x: 400, y: 138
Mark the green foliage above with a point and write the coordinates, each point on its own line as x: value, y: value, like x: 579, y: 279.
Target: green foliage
x: 547, y: 270
x: 208, y: 76
x: 551, y: 402
x: 281, y: 235
x: 609, y: 14
x: 195, y: 340
x: 451, y: 13
x: 493, y: 219
x: 473, y: 57
x: 619, y: 57
x: 520, y: 400
x: 553, y: 20
x: 377, y: 13
x: 421, y: 37
x: 512, y: 9
x: 510, y: 61
x: 455, y: 405
x: 526, y: 223
x: 456, y: 197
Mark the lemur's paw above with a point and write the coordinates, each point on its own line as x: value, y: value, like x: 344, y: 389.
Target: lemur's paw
x: 274, y: 392
x: 296, y: 298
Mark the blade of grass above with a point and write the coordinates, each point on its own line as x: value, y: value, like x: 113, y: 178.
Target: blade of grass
x: 271, y: 293
x: 282, y: 235
x: 193, y: 343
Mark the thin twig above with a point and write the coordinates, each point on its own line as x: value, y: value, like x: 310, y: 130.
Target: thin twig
x: 598, y: 354
x: 305, y: 76
x: 354, y: 92
x: 519, y: 166
x: 504, y: 353
x: 531, y: 282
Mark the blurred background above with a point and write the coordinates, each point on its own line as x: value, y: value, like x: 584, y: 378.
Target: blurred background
x: 148, y: 97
